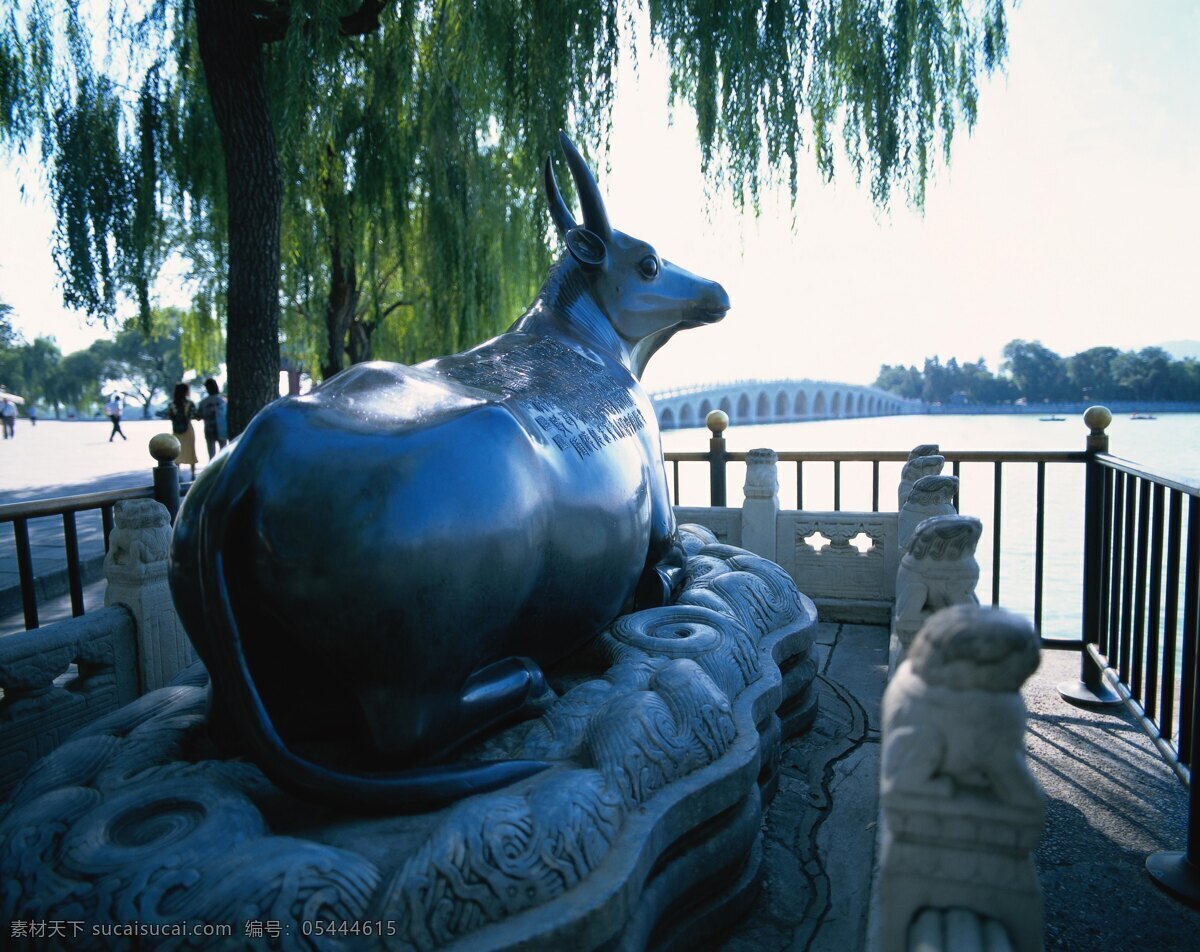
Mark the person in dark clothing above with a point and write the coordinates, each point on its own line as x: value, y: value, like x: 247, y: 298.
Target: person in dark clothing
x: 181, y: 413
x: 113, y: 409
x: 212, y: 412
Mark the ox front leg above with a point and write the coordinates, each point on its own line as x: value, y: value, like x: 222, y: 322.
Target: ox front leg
x: 428, y: 726
x: 662, y: 578
x: 503, y: 691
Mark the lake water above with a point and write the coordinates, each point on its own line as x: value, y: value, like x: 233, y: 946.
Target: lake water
x: 1169, y: 445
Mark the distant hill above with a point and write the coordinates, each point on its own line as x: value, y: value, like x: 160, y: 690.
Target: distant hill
x: 1181, y: 349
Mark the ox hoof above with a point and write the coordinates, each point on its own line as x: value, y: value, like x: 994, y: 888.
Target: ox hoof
x: 503, y: 691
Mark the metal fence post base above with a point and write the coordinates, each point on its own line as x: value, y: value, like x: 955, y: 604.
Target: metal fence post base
x: 1079, y: 692
x: 1174, y: 875
x: 1090, y: 689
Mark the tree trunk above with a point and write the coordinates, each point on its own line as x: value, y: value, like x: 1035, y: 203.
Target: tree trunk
x: 231, y: 52
x: 361, y: 345
x: 339, y: 308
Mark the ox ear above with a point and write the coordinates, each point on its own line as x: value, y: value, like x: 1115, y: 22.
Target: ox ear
x: 586, y: 247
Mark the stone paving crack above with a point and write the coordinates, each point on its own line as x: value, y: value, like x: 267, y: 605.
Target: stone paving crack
x: 821, y: 899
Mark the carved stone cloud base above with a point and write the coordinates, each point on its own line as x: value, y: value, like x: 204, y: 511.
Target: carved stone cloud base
x: 665, y: 737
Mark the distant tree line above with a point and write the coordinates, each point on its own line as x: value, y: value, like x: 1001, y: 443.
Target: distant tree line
x: 142, y: 366
x: 1036, y: 374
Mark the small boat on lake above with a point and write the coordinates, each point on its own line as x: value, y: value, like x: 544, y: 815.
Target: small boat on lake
x: 1051, y: 419
x: 1142, y: 416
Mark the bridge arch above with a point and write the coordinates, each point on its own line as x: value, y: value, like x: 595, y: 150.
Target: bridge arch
x: 778, y: 401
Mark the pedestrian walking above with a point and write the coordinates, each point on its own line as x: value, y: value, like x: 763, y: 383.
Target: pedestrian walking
x: 213, y: 412
x: 8, y: 418
x: 32, y: 413
x: 113, y: 409
x: 181, y: 413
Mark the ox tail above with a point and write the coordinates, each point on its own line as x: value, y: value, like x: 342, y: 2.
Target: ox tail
x: 410, y: 790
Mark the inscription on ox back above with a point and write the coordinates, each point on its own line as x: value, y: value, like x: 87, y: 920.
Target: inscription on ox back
x: 575, y: 402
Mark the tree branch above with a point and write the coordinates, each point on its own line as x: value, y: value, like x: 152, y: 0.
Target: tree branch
x: 364, y: 20
x: 271, y: 19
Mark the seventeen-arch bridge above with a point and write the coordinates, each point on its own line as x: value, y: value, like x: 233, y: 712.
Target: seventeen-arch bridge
x: 776, y: 401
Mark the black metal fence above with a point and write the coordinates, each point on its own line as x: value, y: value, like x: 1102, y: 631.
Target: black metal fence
x: 1145, y: 592
x: 1139, y: 623
x: 1000, y: 463
x: 166, y: 489
x: 1142, y: 625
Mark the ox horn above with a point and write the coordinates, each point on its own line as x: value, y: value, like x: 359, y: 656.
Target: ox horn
x: 564, y: 221
x: 595, y: 218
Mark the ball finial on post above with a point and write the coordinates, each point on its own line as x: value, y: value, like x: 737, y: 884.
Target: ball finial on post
x: 164, y: 448
x: 717, y: 421
x: 1097, y: 420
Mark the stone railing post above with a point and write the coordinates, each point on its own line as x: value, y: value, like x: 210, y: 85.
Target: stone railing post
x: 165, y: 448
x: 1090, y: 688
x: 920, y: 463
x: 716, y: 421
x: 937, y: 571
x: 136, y: 571
x: 760, y: 509
x: 962, y: 813
x: 930, y: 496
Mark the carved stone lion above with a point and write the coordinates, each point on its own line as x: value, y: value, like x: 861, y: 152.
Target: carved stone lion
x: 954, y: 720
x: 141, y: 533
x: 930, y: 496
x: 937, y: 571
x: 916, y: 467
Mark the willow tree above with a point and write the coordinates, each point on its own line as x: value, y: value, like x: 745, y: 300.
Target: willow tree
x: 393, y: 141
x: 410, y: 219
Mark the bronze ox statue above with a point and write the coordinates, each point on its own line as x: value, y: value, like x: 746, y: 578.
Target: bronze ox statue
x: 377, y: 571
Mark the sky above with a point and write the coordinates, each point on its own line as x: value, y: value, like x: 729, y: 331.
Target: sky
x: 1069, y: 215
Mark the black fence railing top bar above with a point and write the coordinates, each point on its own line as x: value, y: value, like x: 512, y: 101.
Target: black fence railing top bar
x: 1169, y: 480
x: 38, y: 508
x: 894, y: 456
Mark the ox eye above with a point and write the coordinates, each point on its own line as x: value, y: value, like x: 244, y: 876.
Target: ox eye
x: 649, y: 266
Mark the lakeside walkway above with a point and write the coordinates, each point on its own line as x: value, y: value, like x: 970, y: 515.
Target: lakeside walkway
x: 67, y: 458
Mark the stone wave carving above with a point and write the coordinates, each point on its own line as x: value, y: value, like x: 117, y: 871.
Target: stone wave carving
x: 125, y: 822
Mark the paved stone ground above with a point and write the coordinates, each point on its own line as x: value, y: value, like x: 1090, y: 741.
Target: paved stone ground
x: 1111, y: 801
x: 820, y: 828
